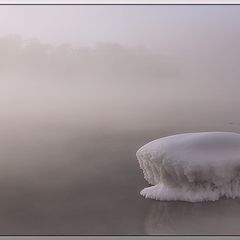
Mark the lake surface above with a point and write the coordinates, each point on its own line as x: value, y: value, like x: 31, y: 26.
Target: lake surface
x: 67, y: 180
x: 68, y: 164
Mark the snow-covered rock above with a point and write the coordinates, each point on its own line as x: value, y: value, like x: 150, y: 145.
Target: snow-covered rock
x: 192, y: 167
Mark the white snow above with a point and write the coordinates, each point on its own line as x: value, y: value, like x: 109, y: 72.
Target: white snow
x: 192, y: 167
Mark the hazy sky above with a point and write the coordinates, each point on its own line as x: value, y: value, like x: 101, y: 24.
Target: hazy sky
x: 154, y: 26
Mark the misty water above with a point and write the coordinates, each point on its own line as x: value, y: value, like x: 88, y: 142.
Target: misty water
x: 61, y: 178
x: 68, y: 163
x: 70, y: 127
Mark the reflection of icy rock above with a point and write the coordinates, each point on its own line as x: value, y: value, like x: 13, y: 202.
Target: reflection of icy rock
x: 221, y: 217
x: 192, y: 166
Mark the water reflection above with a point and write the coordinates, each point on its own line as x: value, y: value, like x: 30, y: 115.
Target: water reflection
x: 220, y: 217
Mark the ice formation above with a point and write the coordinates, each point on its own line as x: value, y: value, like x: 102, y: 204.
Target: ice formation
x: 192, y: 167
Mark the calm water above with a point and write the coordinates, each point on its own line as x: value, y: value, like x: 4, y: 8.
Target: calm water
x: 60, y: 179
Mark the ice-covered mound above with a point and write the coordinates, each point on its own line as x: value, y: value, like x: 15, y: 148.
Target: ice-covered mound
x: 192, y: 166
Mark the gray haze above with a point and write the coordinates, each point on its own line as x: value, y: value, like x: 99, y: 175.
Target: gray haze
x: 83, y: 87
x: 153, y: 62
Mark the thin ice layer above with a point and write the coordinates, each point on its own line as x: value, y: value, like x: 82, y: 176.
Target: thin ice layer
x: 192, y: 167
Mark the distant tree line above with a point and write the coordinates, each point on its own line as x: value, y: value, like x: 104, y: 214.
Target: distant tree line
x: 104, y: 60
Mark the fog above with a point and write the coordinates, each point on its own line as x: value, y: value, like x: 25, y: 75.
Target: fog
x: 83, y: 87
x: 125, y: 65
